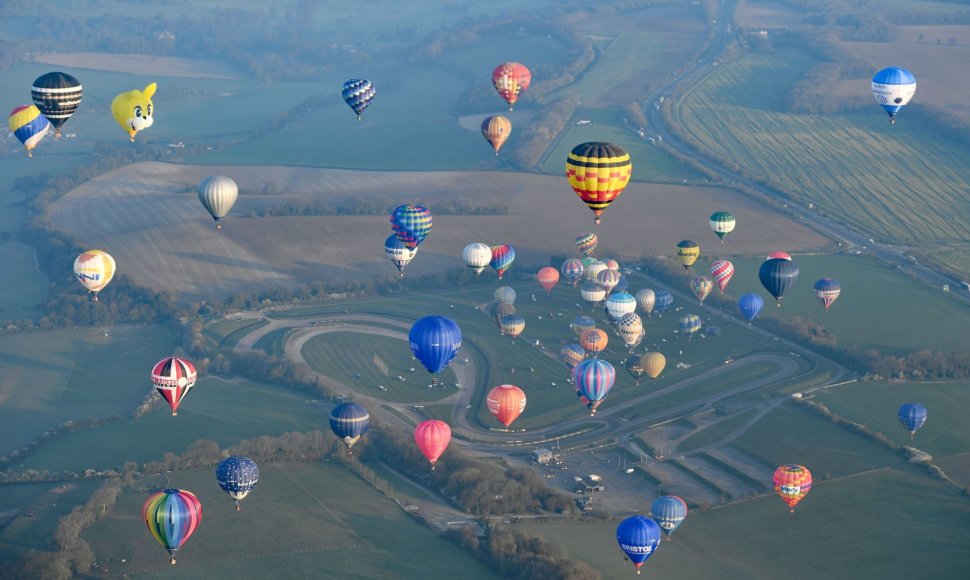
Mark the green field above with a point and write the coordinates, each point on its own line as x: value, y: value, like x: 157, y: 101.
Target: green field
x: 887, y: 524
x: 81, y: 375
x: 273, y: 342
x: 227, y: 332
x: 790, y: 435
x: 302, y: 520
x: 39, y: 506
x: 900, y: 183
x: 715, y: 433
x: 877, y: 406
x: 875, y: 306
x: 223, y: 411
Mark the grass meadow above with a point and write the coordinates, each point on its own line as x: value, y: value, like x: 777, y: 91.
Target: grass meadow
x: 878, y: 308
x: 38, y: 507
x: 307, y: 520
x: 900, y: 183
x: 907, y: 524
x: 82, y: 374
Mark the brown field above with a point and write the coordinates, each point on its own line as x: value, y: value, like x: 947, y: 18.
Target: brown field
x: 141, y: 64
x: 936, y: 67
x: 766, y: 15
x: 159, y: 234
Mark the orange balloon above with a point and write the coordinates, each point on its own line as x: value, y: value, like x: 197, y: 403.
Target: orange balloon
x: 506, y: 402
x: 792, y: 483
x: 548, y: 277
x: 593, y: 341
x: 496, y: 129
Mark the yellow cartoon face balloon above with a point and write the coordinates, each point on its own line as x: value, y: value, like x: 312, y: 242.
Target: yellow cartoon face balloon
x: 133, y: 110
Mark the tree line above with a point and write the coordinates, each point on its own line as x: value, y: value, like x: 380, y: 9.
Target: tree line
x: 381, y: 205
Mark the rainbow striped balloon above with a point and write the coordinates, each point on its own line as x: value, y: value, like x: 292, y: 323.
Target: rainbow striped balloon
x: 28, y: 125
x: 411, y: 224
x: 172, y: 516
x: 502, y: 258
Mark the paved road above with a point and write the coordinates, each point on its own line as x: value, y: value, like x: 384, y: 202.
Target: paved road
x: 847, y: 236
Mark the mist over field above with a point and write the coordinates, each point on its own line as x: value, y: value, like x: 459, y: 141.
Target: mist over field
x: 278, y: 290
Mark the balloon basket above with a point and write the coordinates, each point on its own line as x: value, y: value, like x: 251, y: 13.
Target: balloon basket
x: 172, y: 561
x: 237, y: 507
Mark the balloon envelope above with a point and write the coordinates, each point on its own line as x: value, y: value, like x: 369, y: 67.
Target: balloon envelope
x: 477, y: 255
x: 792, y: 483
x: 594, y: 378
x: 688, y: 252
x: 778, y: 276
x: 511, y: 79
x: 506, y: 402
x: 172, y: 517
x: 28, y: 125
x: 646, y: 300
x: 548, y: 277
x: 598, y: 172
x: 237, y: 476
x: 571, y: 355
x: 502, y: 258
x: 173, y: 377
x: 496, y: 129
x: 411, y: 224
x: 669, y: 512
x: 663, y: 301
x: 57, y: 95
x: 594, y: 341
x: 750, y: 305
x: 218, y: 194
x: 587, y: 243
x: 435, y: 340
x: 358, y: 93
x: 638, y: 537
x: 505, y: 295
x: 94, y: 269
x: 722, y: 223
x: 701, y: 286
x: 912, y: 416
x: 620, y: 304
x: 893, y: 88
x: 722, y: 271
x: 134, y: 110
x: 349, y: 421
x: 572, y: 270
x: 653, y: 364
x: 398, y: 253
x: 432, y: 437
x: 827, y: 290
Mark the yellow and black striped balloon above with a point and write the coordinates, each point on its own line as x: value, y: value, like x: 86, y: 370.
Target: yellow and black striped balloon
x: 598, y: 173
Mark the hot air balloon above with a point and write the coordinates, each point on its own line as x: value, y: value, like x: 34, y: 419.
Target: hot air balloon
x: 598, y: 173
x: 218, y: 194
x: 779, y: 255
x: 778, y: 275
x: 620, y: 304
x: 645, y: 300
x: 653, y: 364
x: 504, y: 294
x: 432, y: 437
x: 827, y: 290
x: 548, y: 277
x: 669, y: 512
x: 592, y: 292
x: 500, y: 310
x: 134, y: 110
x: 689, y: 324
x: 571, y: 355
x: 722, y: 223
x: 587, y: 262
x: 57, y: 95
x: 593, y: 341
x: 94, y: 269
x: 893, y: 88
x: 349, y: 421
x: 623, y: 285
x: 411, y: 224
x: 634, y: 366
x: 172, y: 516
x: 912, y: 416
x: 663, y: 301
x: 496, y: 129
x: 750, y: 305
x: 722, y: 271
x: 638, y: 537
x: 630, y: 328
x: 572, y: 270
x: 701, y: 286
x: 687, y: 252
x: 792, y: 483
x: 608, y: 279
x: 506, y: 402
x: 593, y: 269
x: 612, y: 265
x: 358, y: 93
x: 28, y: 125
x: 435, y: 340
x: 477, y: 255
x: 398, y: 253
x: 587, y: 243
x: 237, y: 476
x: 594, y: 379
x: 513, y: 325
x: 581, y: 324
x: 173, y: 377
x: 511, y: 79
x: 502, y: 258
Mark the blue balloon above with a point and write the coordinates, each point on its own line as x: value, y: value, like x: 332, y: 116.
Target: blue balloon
x: 358, y: 93
x: 893, y: 88
x: 435, y: 340
x: 349, y: 421
x: 669, y: 512
x: 778, y: 276
x: 638, y: 537
x: 237, y: 476
x: 750, y: 305
x: 663, y: 300
x: 594, y: 378
x: 912, y: 416
x: 623, y: 285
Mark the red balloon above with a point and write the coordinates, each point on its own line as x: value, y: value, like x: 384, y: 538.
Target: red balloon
x: 432, y: 437
x: 506, y: 402
x: 548, y: 277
